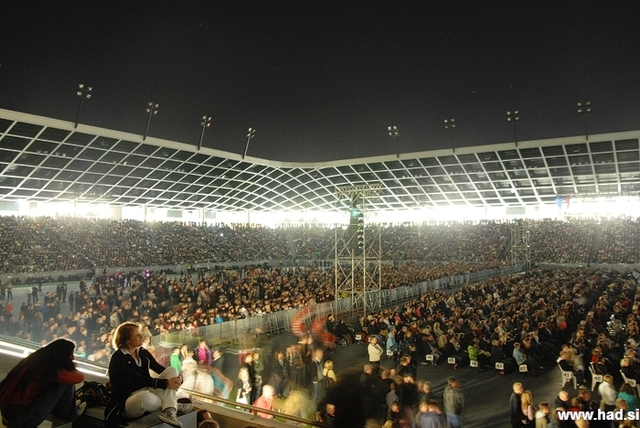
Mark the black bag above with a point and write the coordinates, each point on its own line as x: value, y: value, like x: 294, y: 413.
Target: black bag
x: 327, y: 382
x: 94, y: 393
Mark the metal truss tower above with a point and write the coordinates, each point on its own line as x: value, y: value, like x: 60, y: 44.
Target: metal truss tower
x: 358, y: 252
x: 521, y: 243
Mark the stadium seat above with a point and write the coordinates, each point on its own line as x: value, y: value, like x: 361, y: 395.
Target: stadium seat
x: 567, y: 376
x: 595, y: 378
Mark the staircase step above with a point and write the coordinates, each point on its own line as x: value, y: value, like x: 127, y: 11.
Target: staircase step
x: 94, y: 418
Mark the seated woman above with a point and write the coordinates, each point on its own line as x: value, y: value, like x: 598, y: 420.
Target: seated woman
x: 564, y: 363
x: 41, y: 384
x: 134, y: 390
x: 476, y: 354
x: 627, y: 370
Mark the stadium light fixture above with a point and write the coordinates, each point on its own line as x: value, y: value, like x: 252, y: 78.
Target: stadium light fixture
x: 584, y: 109
x: 394, y: 133
x: 205, y: 122
x: 450, y: 124
x: 251, y: 133
x: 83, y: 92
x: 514, y: 117
x: 152, y: 109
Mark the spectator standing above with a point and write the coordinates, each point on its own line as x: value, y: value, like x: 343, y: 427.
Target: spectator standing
x: 453, y: 402
x: 9, y: 291
x: 8, y: 311
x: 515, y: 406
x: 375, y: 353
x: 265, y: 401
x: 608, y: 393
x: 317, y: 391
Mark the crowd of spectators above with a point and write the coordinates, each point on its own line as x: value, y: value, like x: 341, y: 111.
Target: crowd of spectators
x: 168, y: 303
x: 45, y: 244
x: 553, y: 316
x: 554, y: 241
x: 620, y: 242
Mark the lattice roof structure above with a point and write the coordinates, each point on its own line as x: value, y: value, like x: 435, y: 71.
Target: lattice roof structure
x: 47, y: 160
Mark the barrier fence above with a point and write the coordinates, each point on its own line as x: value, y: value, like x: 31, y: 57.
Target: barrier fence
x: 246, y: 330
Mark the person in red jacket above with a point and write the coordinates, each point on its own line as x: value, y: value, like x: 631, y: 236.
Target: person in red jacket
x: 41, y: 384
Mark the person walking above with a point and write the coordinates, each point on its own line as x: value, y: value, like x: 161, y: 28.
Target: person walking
x: 453, y: 402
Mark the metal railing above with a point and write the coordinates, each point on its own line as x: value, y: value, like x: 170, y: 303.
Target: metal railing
x: 196, y: 397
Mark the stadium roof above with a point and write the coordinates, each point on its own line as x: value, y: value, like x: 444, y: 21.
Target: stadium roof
x: 47, y: 160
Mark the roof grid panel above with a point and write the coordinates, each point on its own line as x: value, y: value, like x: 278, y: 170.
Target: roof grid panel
x: 103, y: 143
x: 54, y: 134
x: 90, y: 154
x: 605, y: 169
x: 145, y: 149
x: 533, y: 152
x: 121, y: 170
x: 473, y: 168
x: 106, y: 180
x: 579, y: 160
x: 148, y: 162
x: 140, y: 172
x: 44, y: 147
x: 100, y: 168
x: 429, y: 162
x: 553, y: 150
x: 557, y: 161
x: 627, y: 144
x: 72, y: 175
x: 158, y: 174
x: 487, y: 156
x: 393, y: 165
x: 182, y: 155
x: 24, y: 193
x: 577, y: 148
x: 125, y: 146
x: 44, y: 173
x: 164, y: 152
x: 454, y: 169
x: 175, y: 177
x: 448, y: 160
x: 14, y: 143
x: 5, y: 124
x: 627, y: 156
x: 79, y: 165
x: 601, y: 146
x: 629, y: 167
x: 513, y: 164
x: 493, y: 166
x: 467, y: 158
x: 25, y: 129
x: 538, y: 172
x: 80, y: 139
x: 509, y: 154
x: 7, y: 156
x: 603, y: 158
x: 582, y: 170
x: 560, y: 172
x: 534, y: 163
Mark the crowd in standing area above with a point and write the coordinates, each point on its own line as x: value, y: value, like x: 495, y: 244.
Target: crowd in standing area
x: 38, y: 245
x: 89, y: 313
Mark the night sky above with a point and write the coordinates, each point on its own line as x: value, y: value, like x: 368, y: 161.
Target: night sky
x: 323, y: 80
